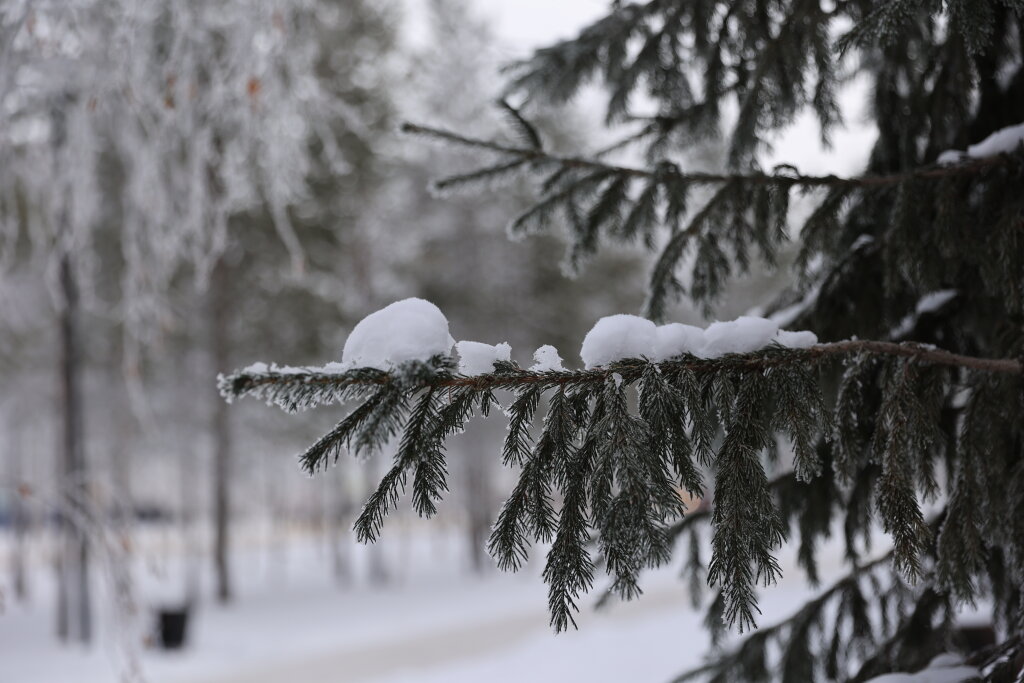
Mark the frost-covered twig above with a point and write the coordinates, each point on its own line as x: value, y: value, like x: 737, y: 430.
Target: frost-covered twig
x: 246, y: 383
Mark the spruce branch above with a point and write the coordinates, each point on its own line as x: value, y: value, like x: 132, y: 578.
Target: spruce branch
x: 285, y: 386
x: 696, y: 178
x: 701, y: 515
x: 608, y: 463
x: 788, y: 633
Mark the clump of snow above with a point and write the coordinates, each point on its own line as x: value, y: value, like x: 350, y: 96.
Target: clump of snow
x: 945, y: 668
x: 616, y: 337
x: 1005, y: 140
x: 546, y: 359
x: 946, y: 659
x: 626, y: 336
x: 263, y: 369
x: 743, y: 335
x: 929, y: 303
x: 933, y: 301
x: 411, y: 329
x: 476, y: 358
x: 617, y: 378
x: 951, y: 157
x: 788, y: 314
x: 675, y: 339
x: 861, y: 242
x: 802, y: 339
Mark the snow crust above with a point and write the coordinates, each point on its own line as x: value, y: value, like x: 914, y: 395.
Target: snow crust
x: 945, y: 668
x: 546, y: 359
x: 615, y: 337
x: 476, y: 358
x: 410, y: 329
x: 742, y: 335
x: 675, y: 339
x: 1005, y: 140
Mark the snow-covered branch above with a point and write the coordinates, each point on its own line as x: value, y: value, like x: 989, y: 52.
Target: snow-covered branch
x: 255, y: 381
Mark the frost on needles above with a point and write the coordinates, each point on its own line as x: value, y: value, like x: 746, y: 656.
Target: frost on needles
x: 794, y: 439
x: 604, y: 452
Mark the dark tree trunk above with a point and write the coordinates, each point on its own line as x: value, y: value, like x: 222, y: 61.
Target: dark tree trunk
x: 19, y: 516
x: 337, y: 509
x: 120, y: 458
x: 220, y: 431
x: 478, y: 512
x: 378, y: 568
x: 74, y: 616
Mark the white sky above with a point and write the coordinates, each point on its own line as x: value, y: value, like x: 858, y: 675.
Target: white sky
x: 526, y: 24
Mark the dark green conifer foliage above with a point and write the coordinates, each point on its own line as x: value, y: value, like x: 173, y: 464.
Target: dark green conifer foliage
x: 916, y: 424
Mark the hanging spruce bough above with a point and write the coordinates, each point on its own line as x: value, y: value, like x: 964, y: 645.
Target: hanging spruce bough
x: 919, y: 431
x: 707, y: 401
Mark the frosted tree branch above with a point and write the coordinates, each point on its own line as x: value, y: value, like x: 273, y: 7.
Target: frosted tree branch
x: 243, y: 383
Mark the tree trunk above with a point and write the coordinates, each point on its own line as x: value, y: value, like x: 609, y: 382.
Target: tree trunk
x: 478, y: 506
x: 19, y: 515
x: 121, y: 459
x: 74, y: 615
x: 336, y: 513
x: 220, y: 430
x: 378, y: 568
x: 189, y: 478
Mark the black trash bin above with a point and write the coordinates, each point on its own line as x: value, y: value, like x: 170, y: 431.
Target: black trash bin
x: 172, y: 626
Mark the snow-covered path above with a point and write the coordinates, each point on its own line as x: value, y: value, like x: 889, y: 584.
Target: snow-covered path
x: 436, y: 623
x: 510, y: 646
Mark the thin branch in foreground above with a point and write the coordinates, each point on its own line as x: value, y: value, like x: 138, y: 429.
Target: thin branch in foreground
x: 240, y: 384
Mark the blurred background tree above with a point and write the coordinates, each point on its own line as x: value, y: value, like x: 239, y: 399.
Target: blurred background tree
x: 190, y: 187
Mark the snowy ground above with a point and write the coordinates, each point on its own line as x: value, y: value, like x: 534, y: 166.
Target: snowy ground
x: 435, y: 622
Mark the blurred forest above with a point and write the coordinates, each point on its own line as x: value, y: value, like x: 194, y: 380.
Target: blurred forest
x: 143, y: 252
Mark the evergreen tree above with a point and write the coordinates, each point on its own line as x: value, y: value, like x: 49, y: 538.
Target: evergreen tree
x: 909, y: 415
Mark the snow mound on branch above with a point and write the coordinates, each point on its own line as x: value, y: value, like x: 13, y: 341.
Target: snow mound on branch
x: 945, y: 660
x: 742, y: 335
x: 476, y: 358
x: 411, y: 329
x: 946, y: 668
x: 616, y: 337
x: 546, y: 359
x: 802, y: 339
x: 675, y: 339
x: 929, y: 303
x: 274, y: 369
x: 1005, y: 140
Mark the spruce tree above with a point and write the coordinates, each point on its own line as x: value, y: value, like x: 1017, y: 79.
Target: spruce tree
x: 909, y: 415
